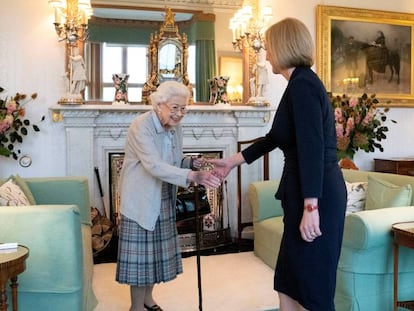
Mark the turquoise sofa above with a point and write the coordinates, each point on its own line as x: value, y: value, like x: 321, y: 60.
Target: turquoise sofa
x: 57, y: 231
x: 365, y: 270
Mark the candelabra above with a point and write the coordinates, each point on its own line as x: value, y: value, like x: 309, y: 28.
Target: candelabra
x: 71, y: 19
x: 248, y: 25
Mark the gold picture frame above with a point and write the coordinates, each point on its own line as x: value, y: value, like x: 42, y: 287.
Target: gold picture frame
x: 348, y: 46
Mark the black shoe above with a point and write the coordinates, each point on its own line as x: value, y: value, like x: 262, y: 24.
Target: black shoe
x: 153, y: 308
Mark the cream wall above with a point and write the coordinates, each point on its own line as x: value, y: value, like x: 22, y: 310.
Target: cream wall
x: 31, y: 60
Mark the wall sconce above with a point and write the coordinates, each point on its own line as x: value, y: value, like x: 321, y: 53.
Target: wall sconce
x: 71, y: 19
x: 248, y: 25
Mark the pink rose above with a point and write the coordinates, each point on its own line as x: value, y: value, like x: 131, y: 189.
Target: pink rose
x: 350, y: 125
x: 339, y: 130
x: 11, y: 106
x: 338, y: 114
x: 353, y: 102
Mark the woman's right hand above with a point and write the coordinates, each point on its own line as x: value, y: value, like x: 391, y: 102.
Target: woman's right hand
x: 205, y: 178
x: 222, y: 167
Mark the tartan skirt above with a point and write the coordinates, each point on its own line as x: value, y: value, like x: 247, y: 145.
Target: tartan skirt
x: 149, y: 257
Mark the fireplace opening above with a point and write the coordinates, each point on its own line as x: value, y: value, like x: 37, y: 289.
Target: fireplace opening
x: 213, y: 231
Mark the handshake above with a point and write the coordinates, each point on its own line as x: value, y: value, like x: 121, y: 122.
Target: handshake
x: 210, y: 173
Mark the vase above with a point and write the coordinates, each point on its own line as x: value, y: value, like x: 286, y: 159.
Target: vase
x: 218, y: 90
x: 346, y: 160
x: 121, y: 88
x: 341, y: 154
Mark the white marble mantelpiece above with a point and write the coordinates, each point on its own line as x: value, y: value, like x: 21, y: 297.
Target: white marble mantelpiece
x: 94, y: 131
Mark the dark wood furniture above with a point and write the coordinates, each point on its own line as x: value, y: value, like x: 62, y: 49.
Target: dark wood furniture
x: 12, y: 263
x: 401, y: 166
x: 404, y: 236
x: 240, y: 224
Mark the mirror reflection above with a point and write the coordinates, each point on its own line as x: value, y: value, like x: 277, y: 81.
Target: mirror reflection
x: 122, y: 45
x: 169, y: 61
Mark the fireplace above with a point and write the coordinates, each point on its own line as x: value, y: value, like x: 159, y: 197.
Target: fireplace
x: 101, y: 129
x: 213, y: 231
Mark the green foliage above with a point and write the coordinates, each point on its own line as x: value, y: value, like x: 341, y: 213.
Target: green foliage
x: 13, y: 124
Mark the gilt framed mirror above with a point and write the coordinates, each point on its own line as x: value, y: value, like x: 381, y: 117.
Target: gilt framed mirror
x: 168, y: 56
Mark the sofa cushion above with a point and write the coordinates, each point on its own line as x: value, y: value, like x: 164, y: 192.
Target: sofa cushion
x: 399, y: 180
x: 368, y: 241
x: 381, y: 194
x: 48, y: 190
x: 262, y: 199
x: 25, y: 187
x: 21, y: 187
x: 11, y: 194
x: 267, y: 238
x: 357, y: 194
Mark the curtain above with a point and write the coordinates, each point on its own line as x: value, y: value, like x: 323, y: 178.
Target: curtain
x: 205, y: 68
x: 202, y: 33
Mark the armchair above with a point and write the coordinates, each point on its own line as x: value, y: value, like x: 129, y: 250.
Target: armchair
x: 57, y: 231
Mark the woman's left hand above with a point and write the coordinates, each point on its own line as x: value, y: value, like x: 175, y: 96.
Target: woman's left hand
x: 309, y: 225
x: 198, y: 162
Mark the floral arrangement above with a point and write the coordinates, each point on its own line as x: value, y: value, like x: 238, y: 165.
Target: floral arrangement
x: 13, y: 125
x: 359, y: 124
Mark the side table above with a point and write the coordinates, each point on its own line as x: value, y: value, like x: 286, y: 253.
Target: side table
x: 12, y: 263
x: 401, y: 166
x: 404, y: 236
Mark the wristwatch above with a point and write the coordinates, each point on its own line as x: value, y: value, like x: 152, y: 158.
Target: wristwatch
x: 310, y: 207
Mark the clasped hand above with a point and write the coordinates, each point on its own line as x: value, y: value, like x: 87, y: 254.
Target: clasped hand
x: 221, y: 167
x: 211, y: 178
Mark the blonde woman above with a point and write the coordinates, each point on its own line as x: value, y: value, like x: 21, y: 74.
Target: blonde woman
x: 312, y: 189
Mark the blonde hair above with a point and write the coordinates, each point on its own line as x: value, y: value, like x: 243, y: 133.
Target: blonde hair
x: 166, y: 90
x: 290, y: 43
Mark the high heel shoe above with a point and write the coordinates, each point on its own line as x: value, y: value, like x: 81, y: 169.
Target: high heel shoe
x: 153, y: 308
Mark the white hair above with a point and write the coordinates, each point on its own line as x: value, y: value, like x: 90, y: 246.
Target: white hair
x: 167, y: 90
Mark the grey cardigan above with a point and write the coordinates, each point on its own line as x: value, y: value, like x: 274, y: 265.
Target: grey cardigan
x: 146, y: 166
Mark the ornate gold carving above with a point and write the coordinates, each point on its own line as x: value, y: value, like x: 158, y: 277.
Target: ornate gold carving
x: 168, y: 38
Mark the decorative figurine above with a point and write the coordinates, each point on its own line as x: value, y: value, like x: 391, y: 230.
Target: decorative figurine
x: 121, y: 88
x: 218, y: 90
x: 75, y: 79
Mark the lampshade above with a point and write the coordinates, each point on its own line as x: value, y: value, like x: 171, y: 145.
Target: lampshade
x: 84, y: 4
x: 58, y: 3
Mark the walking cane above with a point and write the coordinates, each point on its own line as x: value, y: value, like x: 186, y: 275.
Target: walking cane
x: 197, y: 228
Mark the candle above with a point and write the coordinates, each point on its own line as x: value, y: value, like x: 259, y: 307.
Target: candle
x: 57, y: 19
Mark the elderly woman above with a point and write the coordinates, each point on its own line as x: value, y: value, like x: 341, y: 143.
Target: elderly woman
x: 153, y: 167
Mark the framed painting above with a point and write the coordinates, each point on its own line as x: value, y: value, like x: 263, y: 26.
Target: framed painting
x: 366, y: 51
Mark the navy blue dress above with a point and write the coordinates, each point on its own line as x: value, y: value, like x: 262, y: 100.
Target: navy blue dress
x: 304, y: 129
